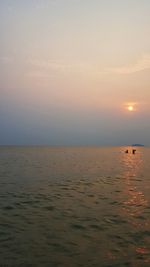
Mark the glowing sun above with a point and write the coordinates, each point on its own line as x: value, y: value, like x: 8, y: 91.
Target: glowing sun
x: 130, y: 108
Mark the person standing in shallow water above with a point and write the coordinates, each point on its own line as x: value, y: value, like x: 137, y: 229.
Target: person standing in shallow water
x: 133, y: 151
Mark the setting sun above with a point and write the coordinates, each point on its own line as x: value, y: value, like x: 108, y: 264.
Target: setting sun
x: 130, y: 108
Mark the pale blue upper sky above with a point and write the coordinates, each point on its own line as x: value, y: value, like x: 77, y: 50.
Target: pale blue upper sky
x: 69, y: 68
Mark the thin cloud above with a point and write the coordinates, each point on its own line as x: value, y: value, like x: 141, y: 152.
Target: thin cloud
x: 6, y: 59
x: 61, y: 67
x: 140, y: 65
x: 44, y: 67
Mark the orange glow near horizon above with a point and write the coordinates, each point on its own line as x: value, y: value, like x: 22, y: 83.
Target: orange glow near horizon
x: 131, y: 106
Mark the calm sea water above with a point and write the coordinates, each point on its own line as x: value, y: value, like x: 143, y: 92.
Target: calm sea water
x: 74, y: 206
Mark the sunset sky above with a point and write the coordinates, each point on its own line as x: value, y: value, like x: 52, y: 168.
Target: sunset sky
x: 74, y: 72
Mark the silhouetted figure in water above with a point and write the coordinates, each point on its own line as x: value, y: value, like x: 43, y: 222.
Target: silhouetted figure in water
x: 127, y: 151
x: 133, y: 151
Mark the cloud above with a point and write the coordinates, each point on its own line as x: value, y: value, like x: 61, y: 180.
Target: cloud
x: 58, y: 66
x: 44, y: 4
x: 43, y: 68
x: 6, y: 59
x: 142, y: 64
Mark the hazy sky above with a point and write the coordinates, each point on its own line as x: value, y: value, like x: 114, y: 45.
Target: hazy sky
x: 69, y: 69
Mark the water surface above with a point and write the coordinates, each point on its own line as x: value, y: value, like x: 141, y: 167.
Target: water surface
x: 74, y: 206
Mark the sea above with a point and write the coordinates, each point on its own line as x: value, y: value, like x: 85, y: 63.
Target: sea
x: 74, y: 206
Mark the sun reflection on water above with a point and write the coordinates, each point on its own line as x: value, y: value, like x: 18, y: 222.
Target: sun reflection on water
x: 136, y: 202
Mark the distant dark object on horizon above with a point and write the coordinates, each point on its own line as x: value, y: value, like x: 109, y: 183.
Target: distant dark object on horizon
x: 137, y: 145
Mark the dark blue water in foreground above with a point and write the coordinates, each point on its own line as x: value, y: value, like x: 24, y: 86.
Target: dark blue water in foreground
x: 73, y: 207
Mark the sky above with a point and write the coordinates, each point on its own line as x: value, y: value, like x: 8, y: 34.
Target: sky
x: 69, y: 70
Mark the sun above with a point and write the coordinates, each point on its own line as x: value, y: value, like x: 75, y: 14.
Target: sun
x: 130, y: 108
